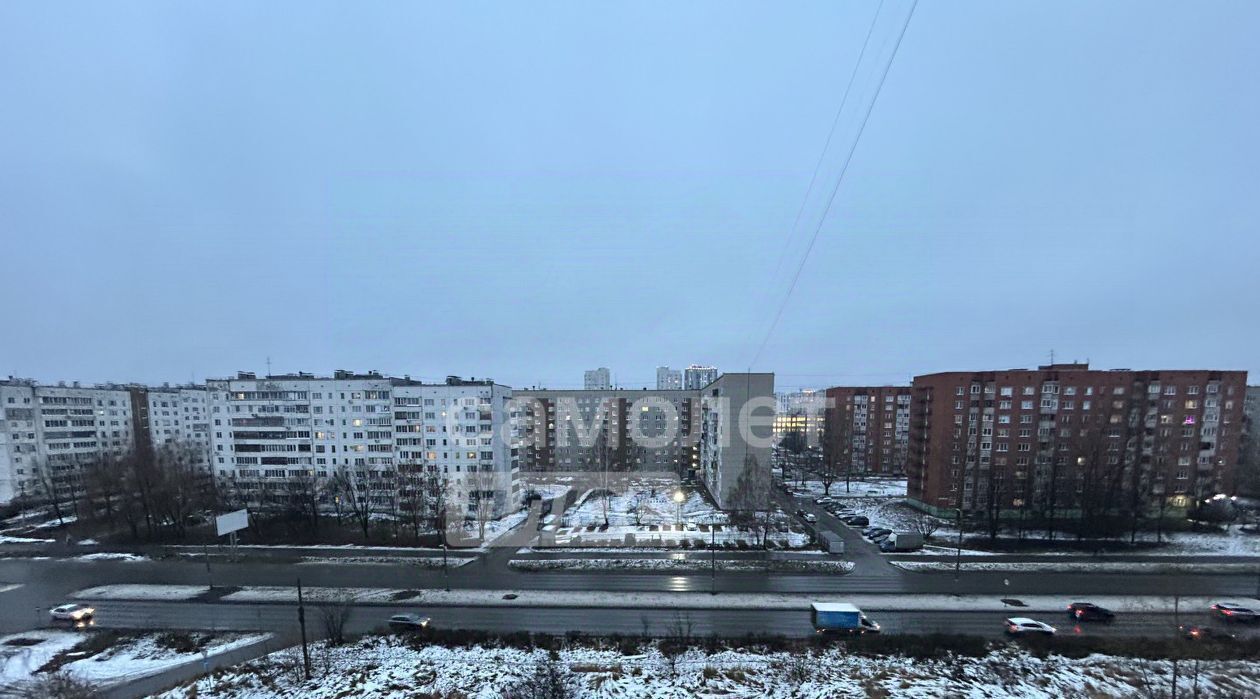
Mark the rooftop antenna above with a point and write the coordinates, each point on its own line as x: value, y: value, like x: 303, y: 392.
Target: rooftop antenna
x: 269, y: 365
x: 1052, y: 355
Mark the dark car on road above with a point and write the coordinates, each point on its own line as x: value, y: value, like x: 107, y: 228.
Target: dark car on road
x: 856, y: 521
x: 1088, y: 611
x: 871, y: 532
x: 1228, y: 611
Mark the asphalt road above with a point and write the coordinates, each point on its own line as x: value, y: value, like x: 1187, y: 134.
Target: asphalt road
x: 282, y: 618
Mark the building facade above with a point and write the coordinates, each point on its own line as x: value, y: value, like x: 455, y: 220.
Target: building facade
x: 868, y: 429
x: 693, y: 433
x: 597, y: 379
x: 1066, y: 438
x: 668, y: 379
x: 49, y: 434
x: 347, y: 436
x: 800, y: 411
x: 696, y: 377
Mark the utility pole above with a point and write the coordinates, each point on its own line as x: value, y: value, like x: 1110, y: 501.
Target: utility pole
x: 306, y: 653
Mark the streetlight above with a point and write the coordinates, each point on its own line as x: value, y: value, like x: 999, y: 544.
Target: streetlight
x: 680, y: 498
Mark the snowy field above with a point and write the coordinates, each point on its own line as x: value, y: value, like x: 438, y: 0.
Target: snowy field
x: 381, y: 667
x: 87, y: 657
x: 872, y: 488
x: 649, y: 515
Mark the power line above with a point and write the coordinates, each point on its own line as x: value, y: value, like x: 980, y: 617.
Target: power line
x: 822, y: 156
x: 831, y: 199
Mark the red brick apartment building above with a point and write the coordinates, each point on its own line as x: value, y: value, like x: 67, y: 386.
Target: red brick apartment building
x: 868, y: 427
x: 1068, y: 439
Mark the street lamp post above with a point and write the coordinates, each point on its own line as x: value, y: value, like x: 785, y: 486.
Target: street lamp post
x: 679, y: 498
x: 713, y: 556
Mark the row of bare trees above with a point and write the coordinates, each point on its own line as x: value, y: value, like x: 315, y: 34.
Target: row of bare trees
x: 147, y: 494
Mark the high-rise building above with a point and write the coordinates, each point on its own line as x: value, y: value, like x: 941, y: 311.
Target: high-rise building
x: 668, y: 379
x: 694, y: 433
x: 168, y: 416
x: 868, y: 429
x: 49, y: 434
x: 800, y: 411
x: 359, y: 431
x: 696, y: 377
x: 597, y: 379
x: 1067, y: 438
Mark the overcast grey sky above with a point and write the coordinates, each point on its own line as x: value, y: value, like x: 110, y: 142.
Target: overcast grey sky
x: 526, y: 190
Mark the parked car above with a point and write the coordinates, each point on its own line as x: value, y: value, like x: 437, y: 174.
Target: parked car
x: 1228, y: 611
x: 1088, y: 611
x: 72, y: 612
x: 1205, y: 633
x: 800, y: 513
x: 823, y: 500
x: 875, y: 531
x: 811, y: 517
x: 1023, y: 626
x: 408, y: 622
x: 856, y: 521
x: 881, y: 538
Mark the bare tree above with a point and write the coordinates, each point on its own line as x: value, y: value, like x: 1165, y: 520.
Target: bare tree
x: 354, y: 495
x: 751, y: 498
x: 304, y: 490
x: 181, y: 485
x: 925, y: 525
x: 414, y: 495
x: 334, y: 616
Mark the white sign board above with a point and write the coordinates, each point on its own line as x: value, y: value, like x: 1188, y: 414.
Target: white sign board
x: 231, y: 522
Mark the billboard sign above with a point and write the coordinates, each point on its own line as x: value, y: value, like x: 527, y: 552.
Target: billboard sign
x: 231, y: 522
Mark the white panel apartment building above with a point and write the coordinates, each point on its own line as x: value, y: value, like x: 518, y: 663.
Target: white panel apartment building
x: 174, y: 415
x: 65, y: 427
x: 266, y: 432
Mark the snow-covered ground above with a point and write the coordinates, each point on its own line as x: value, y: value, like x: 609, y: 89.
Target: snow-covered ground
x: 106, y: 556
x: 142, y: 592
x: 648, y: 513
x: 20, y: 658
x: 415, y: 561
x: 1149, y: 568
x: 22, y: 655
x: 873, y: 488
x: 379, y: 667
x: 23, y: 540
x: 677, y: 565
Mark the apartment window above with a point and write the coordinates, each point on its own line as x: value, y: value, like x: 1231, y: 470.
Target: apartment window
x: 1007, y: 391
x: 1026, y: 405
x: 1170, y: 391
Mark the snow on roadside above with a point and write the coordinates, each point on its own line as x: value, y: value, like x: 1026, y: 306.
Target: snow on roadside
x: 18, y: 660
x: 23, y: 654
x: 155, y: 593
x: 380, y: 667
x: 414, y: 561
x: 109, y: 556
x: 1082, y: 567
x: 677, y: 565
x: 22, y: 540
x: 144, y: 655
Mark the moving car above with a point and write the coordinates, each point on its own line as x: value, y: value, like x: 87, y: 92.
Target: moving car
x: 72, y: 612
x: 810, y: 517
x: 408, y: 622
x: 1023, y: 626
x: 1230, y: 611
x: 823, y: 500
x: 839, y: 617
x: 1205, y: 633
x: 1088, y: 611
